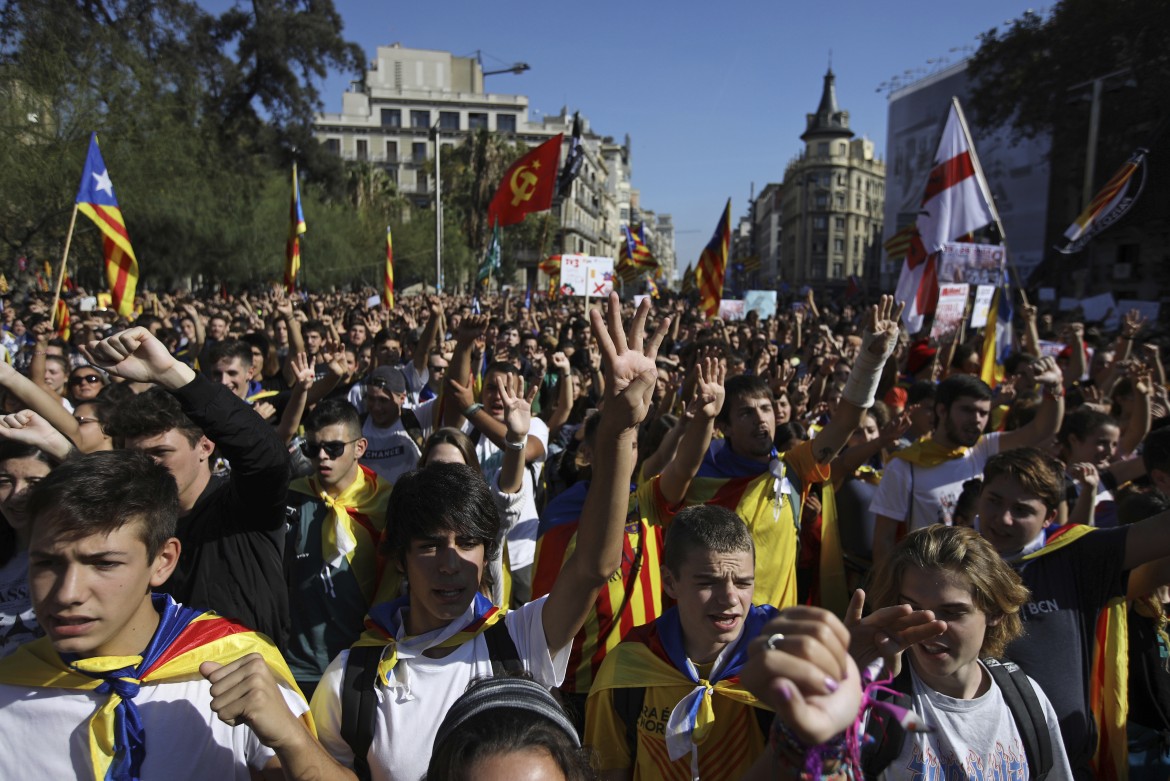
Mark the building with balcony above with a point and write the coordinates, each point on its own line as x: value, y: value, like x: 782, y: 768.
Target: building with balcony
x: 410, y: 96
x: 831, y: 208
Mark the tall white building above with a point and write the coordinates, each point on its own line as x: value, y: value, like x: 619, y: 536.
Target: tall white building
x: 388, y: 120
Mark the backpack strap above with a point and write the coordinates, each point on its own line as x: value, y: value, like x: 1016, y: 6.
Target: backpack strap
x: 1027, y: 711
x: 413, y: 427
x: 359, y: 699
x: 627, y: 702
x: 888, y: 735
x: 502, y: 652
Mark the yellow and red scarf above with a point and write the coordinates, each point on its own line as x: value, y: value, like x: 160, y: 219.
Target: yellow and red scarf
x: 185, y: 638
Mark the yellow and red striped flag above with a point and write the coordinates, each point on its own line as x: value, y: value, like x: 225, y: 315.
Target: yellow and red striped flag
x: 1108, y: 206
x: 713, y: 264
x: 95, y: 199
x: 292, y: 253
x: 388, y: 279
x: 61, y: 317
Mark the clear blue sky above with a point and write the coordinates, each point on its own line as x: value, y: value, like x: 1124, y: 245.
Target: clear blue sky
x: 713, y: 94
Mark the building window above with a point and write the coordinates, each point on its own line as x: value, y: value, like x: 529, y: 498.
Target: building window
x: 821, y: 200
x: 333, y: 145
x: 819, y: 222
x: 391, y: 117
x: 391, y: 151
x: 505, y: 123
x: 858, y: 201
x: 856, y: 245
x: 448, y: 120
x: 420, y: 119
x: 843, y: 149
x: 840, y: 200
x: 477, y: 121
x: 418, y: 151
x: 392, y: 173
x: 839, y: 245
x: 363, y: 149
x: 823, y: 149
x: 838, y: 270
x: 839, y: 223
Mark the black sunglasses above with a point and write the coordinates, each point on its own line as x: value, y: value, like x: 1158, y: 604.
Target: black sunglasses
x: 90, y: 378
x: 332, y: 449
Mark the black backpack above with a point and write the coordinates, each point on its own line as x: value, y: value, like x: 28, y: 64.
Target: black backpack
x: 888, y: 736
x: 359, y: 697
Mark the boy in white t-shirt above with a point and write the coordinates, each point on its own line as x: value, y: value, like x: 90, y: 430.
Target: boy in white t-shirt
x: 442, y: 524
x: 947, y: 605
x: 127, y: 683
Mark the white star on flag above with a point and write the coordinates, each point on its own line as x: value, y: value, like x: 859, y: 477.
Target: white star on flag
x: 103, y: 183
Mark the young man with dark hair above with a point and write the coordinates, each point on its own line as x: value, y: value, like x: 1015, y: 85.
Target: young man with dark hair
x: 231, y: 528
x: 1073, y: 573
x: 1156, y: 458
x: 442, y: 528
x: 394, y: 433
x: 667, y: 701
x: 230, y: 364
x: 336, y: 517
x: 127, y: 683
x: 922, y: 482
x: 745, y: 472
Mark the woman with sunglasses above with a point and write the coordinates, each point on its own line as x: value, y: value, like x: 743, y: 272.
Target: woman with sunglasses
x: 85, y: 383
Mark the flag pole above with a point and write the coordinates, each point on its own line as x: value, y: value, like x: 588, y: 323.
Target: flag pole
x: 61, y: 271
x: 985, y: 188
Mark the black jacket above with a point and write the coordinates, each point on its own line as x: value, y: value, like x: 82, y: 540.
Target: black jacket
x: 233, y: 538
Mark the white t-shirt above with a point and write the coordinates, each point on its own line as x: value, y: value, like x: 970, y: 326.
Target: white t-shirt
x: 522, y: 536
x: 390, y: 451
x: 46, y: 733
x: 405, y: 725
x: 971, y: 739
x: 18, y: 622
x: 931, y: 491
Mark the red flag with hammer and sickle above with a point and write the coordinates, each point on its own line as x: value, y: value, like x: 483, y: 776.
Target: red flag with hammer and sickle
x: 528, y: 186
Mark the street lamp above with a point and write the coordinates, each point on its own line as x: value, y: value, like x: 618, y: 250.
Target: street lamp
x: 435, y: 135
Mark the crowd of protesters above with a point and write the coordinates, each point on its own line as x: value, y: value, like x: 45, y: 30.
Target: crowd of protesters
x: 807, y: 543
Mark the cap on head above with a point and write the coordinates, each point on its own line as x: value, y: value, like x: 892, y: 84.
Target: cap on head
x: 389, y: 376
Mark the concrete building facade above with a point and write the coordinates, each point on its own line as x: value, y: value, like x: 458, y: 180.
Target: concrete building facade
x: 831, y: 209
x: 410, y: 96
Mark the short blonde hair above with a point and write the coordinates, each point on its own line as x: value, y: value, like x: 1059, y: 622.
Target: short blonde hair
x: 996, y: 588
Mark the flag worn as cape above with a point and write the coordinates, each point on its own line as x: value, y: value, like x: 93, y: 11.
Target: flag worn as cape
x: 359, y: 510
x: 654, y: 655
x: 388, y: 275
x: 185, y: 638
x: 385, y: 622
x: 927, y: 453
x: 1109, y: 675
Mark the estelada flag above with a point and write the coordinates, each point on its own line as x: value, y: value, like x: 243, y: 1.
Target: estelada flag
x: 1108, y: 206
x: 95, y: 199
x: 713, y: 265
x: 528, y: 186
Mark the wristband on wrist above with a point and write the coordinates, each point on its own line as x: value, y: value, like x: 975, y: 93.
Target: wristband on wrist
x: 471, y: 410
x: 515, y: 445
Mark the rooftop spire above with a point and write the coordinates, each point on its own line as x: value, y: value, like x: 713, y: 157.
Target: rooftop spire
x: 829, y: 119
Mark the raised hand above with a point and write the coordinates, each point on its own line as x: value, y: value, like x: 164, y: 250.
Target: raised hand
x: 462, y: 395
x: 709, y: 391
x: 1044, y: 371
x: 887, y: 632
x: 560, y: 362
x: 136, y: 355
x: 800, y: 666
x: 302, y: 369
x: 630, y: 371
x: 517, y: 404
x: 1086, y: 475
x: 246, y: 692
x: 881, y: 326
x: 1132, y: 323
x: 471, y: 328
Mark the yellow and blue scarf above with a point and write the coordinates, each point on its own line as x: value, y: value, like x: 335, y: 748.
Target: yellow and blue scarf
x: 359, y: 510
x: 654, y: 655
x: 385, y: 622
x: 185, y: 638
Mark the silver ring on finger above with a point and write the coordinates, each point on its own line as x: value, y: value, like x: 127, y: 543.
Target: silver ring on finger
x: 773, y: 642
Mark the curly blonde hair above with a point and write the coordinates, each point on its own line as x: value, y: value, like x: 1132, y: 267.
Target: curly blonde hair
x: 996, y: 588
